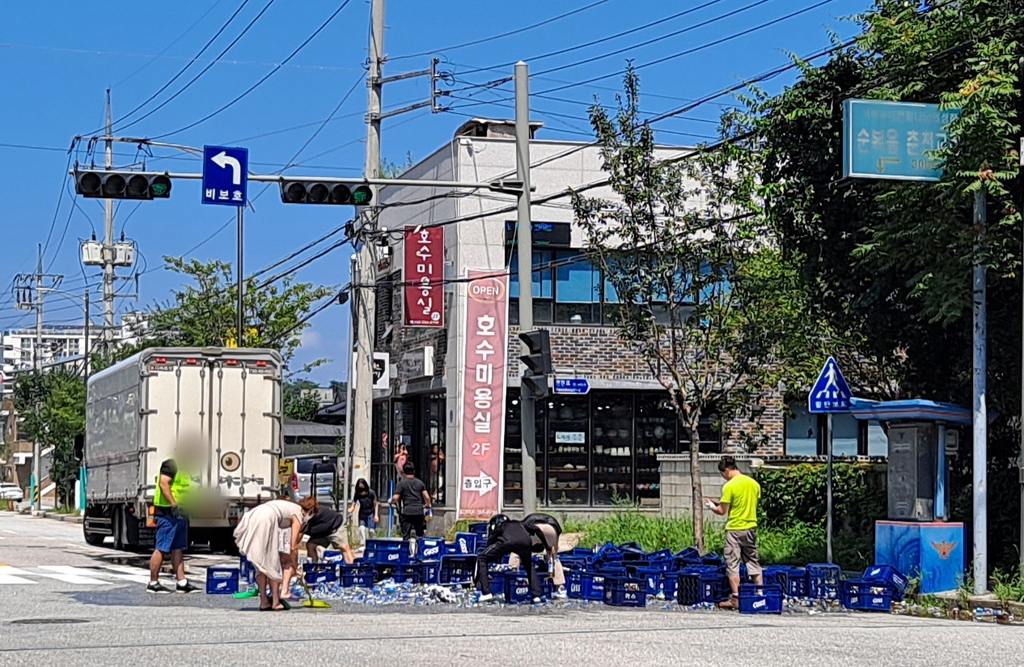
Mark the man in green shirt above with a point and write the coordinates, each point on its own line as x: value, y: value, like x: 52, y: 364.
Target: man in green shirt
x: 740, y: 496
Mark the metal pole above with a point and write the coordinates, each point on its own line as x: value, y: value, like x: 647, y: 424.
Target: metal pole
x: 85, y: 379
x: 37, y: 359
x: 524, y: 241
x: 980, y: 406
x: 360, y: 411
x: 240, y: 330
x: 349, y: 445
x: 108, y: 242
x: 1020, y: 459
x: 828, y: 488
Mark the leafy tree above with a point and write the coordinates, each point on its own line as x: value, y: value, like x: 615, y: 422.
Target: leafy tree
x: 60, y: 396
x: 300, y: 401
x: 683, y: 251
x: 389, y: 169
x: 204, y: 314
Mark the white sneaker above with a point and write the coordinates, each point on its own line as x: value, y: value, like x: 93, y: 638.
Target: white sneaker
x: 484, y: 598
x: 560, y: 594
x: 537, y: 600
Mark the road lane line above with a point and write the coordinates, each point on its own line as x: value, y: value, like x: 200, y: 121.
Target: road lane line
x: 138, y: 576
x: 70, y: 575
x: 8, y: 575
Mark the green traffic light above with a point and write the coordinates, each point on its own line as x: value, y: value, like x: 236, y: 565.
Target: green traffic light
x: 362, y: 195
x: 160, y: 189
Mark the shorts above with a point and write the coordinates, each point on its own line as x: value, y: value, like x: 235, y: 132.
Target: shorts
x: 368, y: 523
x: 742, y: 545
x: 338, y: 538
x: 171, y: 534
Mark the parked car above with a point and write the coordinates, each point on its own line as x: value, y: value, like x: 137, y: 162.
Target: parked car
x: 328, y: 489
x: 10, y: 491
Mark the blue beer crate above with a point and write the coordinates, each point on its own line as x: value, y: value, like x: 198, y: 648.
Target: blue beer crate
x: 764, y: 599
x: 516, y: 587
x: 698, y: 585
x: 890, y: 576
x: 246, y: 571
x: 331, y: 556
x: 399, y: 573
x: 777, y: 575
x: 573, y: 562
x: 620, y: 592
x: 585, y: 585
x: 429, y: 548
x: 863, y: 595
x: 712, y: 560
x: 356, y: 577
x: 387, y: 552
x: 823, y: 581
x: 221, y: 580
x: 613, y: 570
x: 479, y: 529
x: 430, y: 570
x: 465, y: 544
x: 670, y: 585
x: 456, y: 570
x: 315, y: 574
x: 633, y: 552
x: 653, y: 577
x: 797, y: 583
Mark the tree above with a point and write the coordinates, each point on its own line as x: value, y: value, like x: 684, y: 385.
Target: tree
x: 389, y: 169
x: 204, y: 314
x: 682, y: 251
x: 60, y: 396
x: 301, y: 401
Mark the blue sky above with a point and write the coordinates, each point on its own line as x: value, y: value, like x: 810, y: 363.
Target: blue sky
x: 57, y: 58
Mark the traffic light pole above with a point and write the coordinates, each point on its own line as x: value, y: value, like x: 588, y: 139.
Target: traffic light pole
x: 524, y: 241
x: 108, y: 241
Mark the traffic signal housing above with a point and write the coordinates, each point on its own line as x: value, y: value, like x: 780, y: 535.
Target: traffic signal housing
x: 122, y: 185
x: 538, y: 363
x: 318, y: 192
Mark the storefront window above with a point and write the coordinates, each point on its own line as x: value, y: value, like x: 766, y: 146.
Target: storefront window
x: 513, y: 474
x: 656, y: 427
x: 568, y: 455
x: 801, y: 432
x: 613, y: 448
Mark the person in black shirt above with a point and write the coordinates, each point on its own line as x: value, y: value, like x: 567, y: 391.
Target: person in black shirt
x: 545, y: 531
x: 415, y: 501
x: 505, y: 537
x: 325, y: 528
x: 369, y: 515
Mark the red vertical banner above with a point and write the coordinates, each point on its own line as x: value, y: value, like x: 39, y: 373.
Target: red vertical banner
x: 483, y: 394
x: 424, y: 273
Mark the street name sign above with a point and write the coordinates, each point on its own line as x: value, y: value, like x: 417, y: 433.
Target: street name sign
x: 225, y: 175
x: 572, y: 386
x: 893, y: 140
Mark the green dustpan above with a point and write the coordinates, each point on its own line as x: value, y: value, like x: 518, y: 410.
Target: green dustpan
x: 245, y: 595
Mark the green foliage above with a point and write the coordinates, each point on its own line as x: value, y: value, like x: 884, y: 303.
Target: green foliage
x: 1008, y: 587
x: 60, y: 396
x: 796, y: 495
x: 389, y: 169
x: 300, y: 402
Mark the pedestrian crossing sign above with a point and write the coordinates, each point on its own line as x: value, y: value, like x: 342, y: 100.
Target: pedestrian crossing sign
x: 830, y: 392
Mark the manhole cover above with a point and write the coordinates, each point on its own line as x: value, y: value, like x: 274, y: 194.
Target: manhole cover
x: 48, y: 621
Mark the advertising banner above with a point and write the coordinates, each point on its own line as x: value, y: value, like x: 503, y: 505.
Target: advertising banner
x: 424, y: 272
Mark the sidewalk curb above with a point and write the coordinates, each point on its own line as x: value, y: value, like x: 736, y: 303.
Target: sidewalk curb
x: 67, y: 518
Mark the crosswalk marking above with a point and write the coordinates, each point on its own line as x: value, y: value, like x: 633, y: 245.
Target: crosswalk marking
x: 70, y: 575
x: 8, y: 575
x: 126, y: 573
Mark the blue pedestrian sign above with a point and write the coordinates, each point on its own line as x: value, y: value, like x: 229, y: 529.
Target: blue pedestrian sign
x: 572, y: 386
x: 893, y: 140
x: 225, y: 175
x: 830, y: 392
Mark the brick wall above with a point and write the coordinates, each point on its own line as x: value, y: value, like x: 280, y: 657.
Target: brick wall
x: 676, y: 492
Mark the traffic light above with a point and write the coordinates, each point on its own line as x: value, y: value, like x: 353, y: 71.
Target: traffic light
x: 317, y: 192
x: 538, y: 363
x: 122, y: 185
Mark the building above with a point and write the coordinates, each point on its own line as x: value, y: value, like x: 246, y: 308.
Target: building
x: 594, y: 450
x: 59, y: 343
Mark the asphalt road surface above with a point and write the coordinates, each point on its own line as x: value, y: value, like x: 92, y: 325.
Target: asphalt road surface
x: 65, y: 603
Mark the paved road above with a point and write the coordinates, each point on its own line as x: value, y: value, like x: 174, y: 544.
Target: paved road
x: 99, y: 615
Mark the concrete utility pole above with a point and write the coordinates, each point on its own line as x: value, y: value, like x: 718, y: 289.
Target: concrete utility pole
x: 37, y: 363
x: 980, y: 417
x: 360, y: 411
x: 108, y: 238
x: 524, y: 241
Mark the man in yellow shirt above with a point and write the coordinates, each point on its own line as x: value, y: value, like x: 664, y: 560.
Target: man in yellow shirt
x: 740, y: 496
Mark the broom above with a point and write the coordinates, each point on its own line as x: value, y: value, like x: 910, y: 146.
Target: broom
x: 309, y: 601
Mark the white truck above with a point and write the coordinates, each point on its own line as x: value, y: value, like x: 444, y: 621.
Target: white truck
x: 138, y: 409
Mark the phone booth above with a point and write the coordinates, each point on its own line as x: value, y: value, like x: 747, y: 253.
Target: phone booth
x: 917, y: 539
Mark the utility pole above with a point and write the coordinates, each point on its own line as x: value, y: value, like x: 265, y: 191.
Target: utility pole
x: 980, y: 408
x: 524, y: 241
x: 108, y: 238
x: 364, y: 280
x: 1020, y: 185
x: 37, y: 359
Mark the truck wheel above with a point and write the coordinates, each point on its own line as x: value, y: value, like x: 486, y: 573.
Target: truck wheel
x: 92, y: 539
x: 117, y: 525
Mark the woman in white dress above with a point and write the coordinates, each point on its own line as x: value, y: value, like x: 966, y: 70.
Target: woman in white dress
x: 266, y: 536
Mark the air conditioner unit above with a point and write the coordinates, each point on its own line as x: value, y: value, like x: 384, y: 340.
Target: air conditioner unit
x: 92, y: 253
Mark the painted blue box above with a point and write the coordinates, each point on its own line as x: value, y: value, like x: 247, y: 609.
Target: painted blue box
x: 932, y: 551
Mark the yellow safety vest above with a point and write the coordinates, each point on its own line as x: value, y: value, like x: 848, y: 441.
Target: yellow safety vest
x: 180, y: 485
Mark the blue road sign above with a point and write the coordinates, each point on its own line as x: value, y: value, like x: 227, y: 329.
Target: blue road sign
x: 572, y: 386
x: 225, y: 175
x: 830, y: 392
x: 893, y: 140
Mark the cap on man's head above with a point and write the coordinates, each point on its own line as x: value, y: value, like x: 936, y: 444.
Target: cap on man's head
x: 409, y: 468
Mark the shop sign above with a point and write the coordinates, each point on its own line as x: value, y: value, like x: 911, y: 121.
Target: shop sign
x: 424, y: 277
x: 418, y: 363
x: 483, y: 394
x: 570, y: 438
